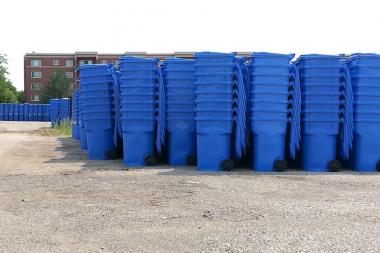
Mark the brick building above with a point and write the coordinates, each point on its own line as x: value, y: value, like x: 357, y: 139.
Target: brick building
x: 38, y: 67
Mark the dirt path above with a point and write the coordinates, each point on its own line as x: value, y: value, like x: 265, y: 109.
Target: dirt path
x: 52, y: 199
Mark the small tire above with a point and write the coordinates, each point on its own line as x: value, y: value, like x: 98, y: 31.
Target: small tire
x: 111, y: 154
x: 280, y: 165
x: 334, y: 166
x: 228, y: 165
x: 191, y: 160
x: 150, y: 160
x: 378, y: 166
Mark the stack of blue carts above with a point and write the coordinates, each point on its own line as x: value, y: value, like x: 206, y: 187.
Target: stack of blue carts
x: 54, y: 112
x: 142, y: 99
x: 179, y: 82
x: 98, y: 109
x: 75, y: 116
x: 82, y: 129
x: 364, y: 71
x: 326, y: 112
x: 24, y: 112
x: 275, y: 103
x: 220, y: 109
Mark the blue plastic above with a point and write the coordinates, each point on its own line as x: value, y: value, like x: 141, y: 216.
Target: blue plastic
x: 365, y: 60
x: 213, y: 57
x: 210, y: 159
x: 82, y: 129
x: 1, y: 112
x: 98, y: 109
x: 214, y: 94
x: 54, y: 112
x: 318, y: 151
x: 273, y: 96
x: 6, y: 112
x: 269, y: 143
x: 319, y: 60
x: 271, y: 59
x: 321, y: 81
x: 142, y: 108
x: 366, y: 146
x: 180, y: 114
x: 270, y: 70
x: 214, y: 77
x: 270, y: 78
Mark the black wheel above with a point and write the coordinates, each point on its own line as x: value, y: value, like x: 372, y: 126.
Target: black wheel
x: 111, y: 154
x: 191, y: 160
x: 227, y: 165
x: 150, y: 160
x: 280, y: 165
x: 334, y: 166
x: 378, y: 166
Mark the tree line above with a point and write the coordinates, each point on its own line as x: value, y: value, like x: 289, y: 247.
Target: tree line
x: 8, y: 93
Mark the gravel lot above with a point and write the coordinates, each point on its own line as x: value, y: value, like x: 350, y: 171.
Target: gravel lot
x: 52, y: 199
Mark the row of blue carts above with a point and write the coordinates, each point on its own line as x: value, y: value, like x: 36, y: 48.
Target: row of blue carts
x: 24, y: 112
x: 59, y: 111
x: 217, y: 111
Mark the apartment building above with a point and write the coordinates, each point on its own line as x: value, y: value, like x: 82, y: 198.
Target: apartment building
x: 38, y: 68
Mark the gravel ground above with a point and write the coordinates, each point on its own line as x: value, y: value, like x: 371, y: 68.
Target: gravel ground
x: 52, y: 199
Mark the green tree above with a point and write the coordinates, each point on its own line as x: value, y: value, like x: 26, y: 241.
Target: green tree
x: 59, y: 86
x: 21, y: 96
x: 8, y: 93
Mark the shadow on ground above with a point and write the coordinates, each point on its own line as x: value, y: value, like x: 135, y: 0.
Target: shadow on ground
x: 72, y: 153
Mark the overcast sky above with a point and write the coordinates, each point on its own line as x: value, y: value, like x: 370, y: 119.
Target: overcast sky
x: 111, y: 26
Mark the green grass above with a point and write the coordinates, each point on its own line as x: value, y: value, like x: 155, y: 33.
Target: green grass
x: 62, y: 129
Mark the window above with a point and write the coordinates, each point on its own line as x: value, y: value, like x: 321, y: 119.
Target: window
x: 36, y: 74
x: 69, y: 63
x: 69, y: 74
x: 103, y: 61
x: 85, y: 62
x: 55, y: 62
x: 36, y: 86
x: 35, y: 63
x: 35, y: 97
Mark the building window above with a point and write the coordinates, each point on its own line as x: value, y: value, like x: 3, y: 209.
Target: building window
x: 35, y: 98
x: 69, y: 63
x: 69, y: 74
x: 35, y: 63
x: 103, y: 61
x: 85, y: 62
x: 36, y: 86
x: 55, y: 62
x: 36, y: 74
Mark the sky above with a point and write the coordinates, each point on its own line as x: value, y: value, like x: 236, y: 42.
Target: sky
x: 165, y: 26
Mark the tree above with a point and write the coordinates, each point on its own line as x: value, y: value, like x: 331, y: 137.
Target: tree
x: 58, y: 87
x: 8, y: 93
x: 21, y: 96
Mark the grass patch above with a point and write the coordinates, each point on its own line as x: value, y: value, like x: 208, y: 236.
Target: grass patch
x: 62, y: 129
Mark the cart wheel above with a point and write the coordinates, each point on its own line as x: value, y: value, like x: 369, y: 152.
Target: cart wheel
x: 150, y: 160
x: 111, y: 154
x: 191, y: 160
x: 334, y: 166
x: 280, y: 165
x: 227, y: 165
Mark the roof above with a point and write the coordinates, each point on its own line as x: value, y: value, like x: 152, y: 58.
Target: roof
x: 48, y: 54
